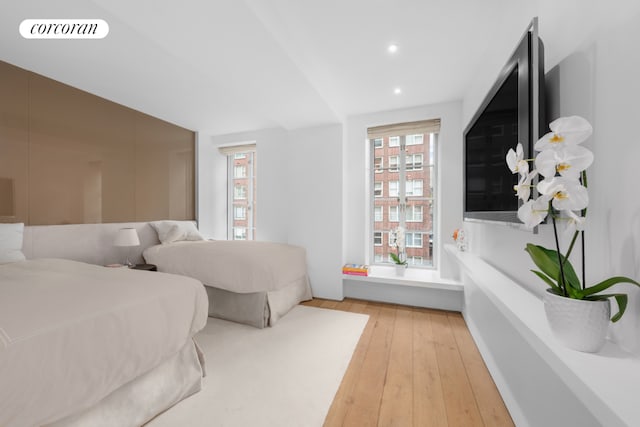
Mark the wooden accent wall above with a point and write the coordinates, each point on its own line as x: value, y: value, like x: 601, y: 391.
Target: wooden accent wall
x: 70, y: 157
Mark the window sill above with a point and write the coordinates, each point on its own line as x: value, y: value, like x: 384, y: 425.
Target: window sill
x: 416, y: 277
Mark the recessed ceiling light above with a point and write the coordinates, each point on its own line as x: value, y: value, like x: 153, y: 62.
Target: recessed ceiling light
x: 393, y: 48
x: 397, y: 91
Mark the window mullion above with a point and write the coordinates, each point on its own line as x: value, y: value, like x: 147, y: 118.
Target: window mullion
x: 402, y: 182
x: 250, y: 198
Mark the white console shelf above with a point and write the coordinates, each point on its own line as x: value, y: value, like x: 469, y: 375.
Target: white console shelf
x: 541, y: 381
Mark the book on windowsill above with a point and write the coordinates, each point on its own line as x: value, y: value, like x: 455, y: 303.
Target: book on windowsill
x: 355, y: 269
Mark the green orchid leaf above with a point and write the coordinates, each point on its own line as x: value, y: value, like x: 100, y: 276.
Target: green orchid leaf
x: 547, y: 261
x: 541, y: 259
x: 549, y: 281
x: 621, y: 299
x: 575, y: 293
x: 606, y: 284
x: 396, y: 259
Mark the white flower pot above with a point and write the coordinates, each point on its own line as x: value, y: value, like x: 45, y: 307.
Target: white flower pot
x: 400, y: 269
x: 579, y: 325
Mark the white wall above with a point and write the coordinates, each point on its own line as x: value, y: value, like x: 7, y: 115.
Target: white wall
x: 273, y: 200
x: 315, y: 212
x: 592, y: 64
x: 299, y: 195
x: 449, y: 178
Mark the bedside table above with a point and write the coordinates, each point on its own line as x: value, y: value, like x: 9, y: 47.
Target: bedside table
x: 147, y: 267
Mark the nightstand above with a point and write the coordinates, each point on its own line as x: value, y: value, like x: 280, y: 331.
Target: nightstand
x: 147, y: 267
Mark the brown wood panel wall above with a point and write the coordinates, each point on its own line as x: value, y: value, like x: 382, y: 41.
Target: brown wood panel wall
x: 70, y: 157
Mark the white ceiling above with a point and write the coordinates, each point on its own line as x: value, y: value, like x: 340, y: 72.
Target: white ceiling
x: 224, y: 66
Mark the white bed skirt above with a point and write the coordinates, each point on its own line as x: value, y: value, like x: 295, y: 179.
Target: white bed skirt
x: 140, y: 400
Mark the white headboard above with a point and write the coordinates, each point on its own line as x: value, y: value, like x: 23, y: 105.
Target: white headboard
x: 91, y: 243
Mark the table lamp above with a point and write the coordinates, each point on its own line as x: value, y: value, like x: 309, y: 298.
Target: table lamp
x: 127, y: 237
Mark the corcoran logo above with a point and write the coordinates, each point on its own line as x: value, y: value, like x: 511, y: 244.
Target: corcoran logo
x: 64, y: 28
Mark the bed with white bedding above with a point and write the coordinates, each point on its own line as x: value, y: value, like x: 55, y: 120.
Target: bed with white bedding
x: 82, y: 344
x: 249, y: 282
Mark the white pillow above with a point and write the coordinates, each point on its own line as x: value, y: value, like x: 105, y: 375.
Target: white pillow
x: 175, y: 231
x: 11, y: 243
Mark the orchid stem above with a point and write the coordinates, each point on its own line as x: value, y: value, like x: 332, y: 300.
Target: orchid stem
x: 561, y: 282
x: 573, y: 241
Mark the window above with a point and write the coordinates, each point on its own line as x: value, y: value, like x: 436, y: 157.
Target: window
x: 414, y: 213
x: 239, y: 212
x: 377, y: 238
x: 377, y: 213
x: 393, y: 214
x: 394, y: 188
x: 415, y: 139
x: 393, y: 164
x: 410, y: 178
x: 378, y: 164
x: 239, y: 192
x: 414, y: 162
x: 413, y: 240
x: 239, y: 233
x: 377, y: 189
x: 240, y: 171
x: 242, y: 195
x: 415, y: 260
x: 414, y: 187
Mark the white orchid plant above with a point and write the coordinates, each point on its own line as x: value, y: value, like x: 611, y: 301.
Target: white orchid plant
x: 399, y: 243
x: 562, y: 196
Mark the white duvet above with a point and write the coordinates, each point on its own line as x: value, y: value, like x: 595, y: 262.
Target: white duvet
x: 236, y: 266
x: 71, y: 333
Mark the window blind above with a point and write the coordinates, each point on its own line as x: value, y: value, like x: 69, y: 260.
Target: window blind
x: 235, y: 149
x: 408, y: 128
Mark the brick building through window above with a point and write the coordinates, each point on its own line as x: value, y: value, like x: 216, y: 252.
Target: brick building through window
x: 403, y: 190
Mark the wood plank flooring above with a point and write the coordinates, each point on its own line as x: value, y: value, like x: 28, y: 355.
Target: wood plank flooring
x: 414, y: 367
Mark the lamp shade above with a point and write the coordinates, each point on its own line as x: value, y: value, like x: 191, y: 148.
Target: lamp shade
x: 127, y: 237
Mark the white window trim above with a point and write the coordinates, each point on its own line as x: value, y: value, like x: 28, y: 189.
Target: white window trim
x: 381, y: 238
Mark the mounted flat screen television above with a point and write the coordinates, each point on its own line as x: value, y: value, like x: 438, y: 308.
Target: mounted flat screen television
x: 512, y: 112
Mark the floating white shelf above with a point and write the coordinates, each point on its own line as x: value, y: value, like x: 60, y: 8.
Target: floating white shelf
x: 606, y: 384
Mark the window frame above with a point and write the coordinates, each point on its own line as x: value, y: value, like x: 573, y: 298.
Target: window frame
x: 427, y: 197
x: 240, y: 191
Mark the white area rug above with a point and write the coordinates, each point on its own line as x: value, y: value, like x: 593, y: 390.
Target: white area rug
x: 282, y: 376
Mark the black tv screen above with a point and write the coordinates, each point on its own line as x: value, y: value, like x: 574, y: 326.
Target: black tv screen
x: 505, y: 118
x: 489, y: 182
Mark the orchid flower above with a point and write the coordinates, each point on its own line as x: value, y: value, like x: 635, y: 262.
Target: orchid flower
x: 574, y: 223
x: 565, y: 131
x: 568, y: 161
x: 533, y: 212
x: 400, y: 242
x: 523, y: 189
x: 566, y: 194
x: 516, y: 162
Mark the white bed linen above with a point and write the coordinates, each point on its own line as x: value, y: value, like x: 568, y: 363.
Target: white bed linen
x: 236, y: 266
x: 72, y: 333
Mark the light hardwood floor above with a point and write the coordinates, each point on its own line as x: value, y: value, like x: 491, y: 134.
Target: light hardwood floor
x: 414, y: 367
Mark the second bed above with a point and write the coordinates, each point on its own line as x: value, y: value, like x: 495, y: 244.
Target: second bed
x: 249, y: 282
